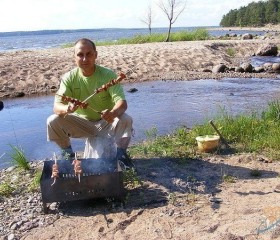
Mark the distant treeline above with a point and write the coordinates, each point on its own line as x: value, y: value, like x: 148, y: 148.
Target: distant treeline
x: 255, y: 14
x: 46, y: 32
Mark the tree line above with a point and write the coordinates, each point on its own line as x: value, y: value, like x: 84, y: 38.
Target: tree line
x: 255, y: 14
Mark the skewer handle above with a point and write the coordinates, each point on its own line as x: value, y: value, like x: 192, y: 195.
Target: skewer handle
x: 220, y: 135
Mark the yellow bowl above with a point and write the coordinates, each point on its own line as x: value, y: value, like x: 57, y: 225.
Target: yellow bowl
x: 207, y: 143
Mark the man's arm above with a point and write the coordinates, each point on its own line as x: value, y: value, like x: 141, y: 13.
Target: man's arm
x: 63, y: 109
x: 119, y: 108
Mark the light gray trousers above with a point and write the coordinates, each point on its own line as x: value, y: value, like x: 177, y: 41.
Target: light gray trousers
x: 61, y: 129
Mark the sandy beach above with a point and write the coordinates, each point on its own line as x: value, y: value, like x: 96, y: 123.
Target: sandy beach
x: 168, y: 205
x: 38, y: 72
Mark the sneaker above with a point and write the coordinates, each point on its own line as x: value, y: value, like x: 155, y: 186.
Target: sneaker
x: 67, y: 153
x: 124, y: 160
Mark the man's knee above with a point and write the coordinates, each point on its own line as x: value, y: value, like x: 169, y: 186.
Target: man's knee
x: 52, y: 119
x: 126, y: 119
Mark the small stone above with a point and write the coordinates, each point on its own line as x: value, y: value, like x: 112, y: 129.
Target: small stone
x: 277, y: 189
x: 10, y: 169
x: 219, y: 68
x: 14, y: 226
x: 19, y: 223
x: 28, y: 226
x: 215, y: 200
x: 213, y: 228
x: 30, y: 199
x: 15, y: 209
x: 132, y: 90
x: 11, y: 237
x: 53, y: 206
x: 14, y: 179
x: 171, y: 212
x: 11, y: 224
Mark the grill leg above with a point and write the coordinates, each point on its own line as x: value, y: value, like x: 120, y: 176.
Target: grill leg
x: 45, y: 208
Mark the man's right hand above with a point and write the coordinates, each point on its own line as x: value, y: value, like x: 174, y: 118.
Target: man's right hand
x: 71, y: 107
x: 63, y: 109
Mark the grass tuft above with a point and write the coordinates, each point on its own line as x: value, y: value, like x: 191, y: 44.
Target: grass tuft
x: 229, y: 178
x: 131, y: 179
x: 231, y: 52
x: 6, y: 190
x: 19, y: 158
x: 35, y: 184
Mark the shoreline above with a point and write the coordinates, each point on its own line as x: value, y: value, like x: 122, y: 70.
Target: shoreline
x: 33, y: 72
x: 266, y: 28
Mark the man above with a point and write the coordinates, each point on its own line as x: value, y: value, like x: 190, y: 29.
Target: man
x: 105, y: 114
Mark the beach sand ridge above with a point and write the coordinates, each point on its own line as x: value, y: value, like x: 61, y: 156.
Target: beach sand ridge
x: 39, y: 71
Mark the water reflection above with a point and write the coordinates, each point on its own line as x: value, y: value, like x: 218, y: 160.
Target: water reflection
x: 161, y: 104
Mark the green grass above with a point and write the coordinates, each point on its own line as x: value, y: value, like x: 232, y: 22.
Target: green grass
x: 251, y: 132
x: 254, y: 132
x: 231, y: 52
x: 172, y: 198
x: 6, y: 190
x: 175, y: 145
x: 131, y: 179
x: 35, y: 184
x: 196, y: 35
x: 18, y: 158
x: 229, y: 179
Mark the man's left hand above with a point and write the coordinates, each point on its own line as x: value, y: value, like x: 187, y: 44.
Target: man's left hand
x: 108, y: 116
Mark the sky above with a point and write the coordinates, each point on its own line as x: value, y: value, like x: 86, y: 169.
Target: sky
x: 29, y: 15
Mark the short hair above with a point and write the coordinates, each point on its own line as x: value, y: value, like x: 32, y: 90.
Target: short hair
x: 86, y: 40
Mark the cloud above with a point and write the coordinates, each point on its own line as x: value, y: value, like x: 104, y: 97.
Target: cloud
x: 72, y: 14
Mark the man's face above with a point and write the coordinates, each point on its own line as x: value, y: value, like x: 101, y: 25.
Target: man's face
x: 85, y: 56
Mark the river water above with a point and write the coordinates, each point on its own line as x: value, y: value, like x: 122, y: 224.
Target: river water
x: 10, y: 41
x: 165, y: 105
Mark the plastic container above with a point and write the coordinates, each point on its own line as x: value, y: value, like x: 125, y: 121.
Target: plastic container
x: 207, y: 143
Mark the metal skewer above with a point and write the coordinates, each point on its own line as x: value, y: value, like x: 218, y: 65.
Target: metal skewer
x: 79, y: 175
x: 111, y: 83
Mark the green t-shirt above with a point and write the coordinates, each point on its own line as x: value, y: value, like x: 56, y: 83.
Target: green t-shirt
x: 74, y: 84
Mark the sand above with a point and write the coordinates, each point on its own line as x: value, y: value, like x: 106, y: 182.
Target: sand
x: 212, y: 197
x: 189, y: 201
x: 39, y: 72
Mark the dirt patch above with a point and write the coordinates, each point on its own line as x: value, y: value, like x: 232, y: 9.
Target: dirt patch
x: 212, y: 197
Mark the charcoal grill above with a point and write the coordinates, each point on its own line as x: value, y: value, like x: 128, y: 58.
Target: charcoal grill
x: 101, y: 178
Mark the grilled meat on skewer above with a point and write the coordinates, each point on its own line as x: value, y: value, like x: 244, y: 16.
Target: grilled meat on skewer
x: 77, y: 167
x: 55, y: 171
